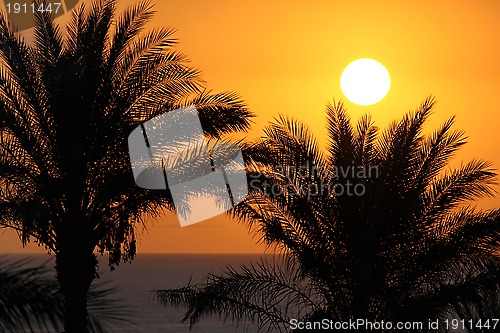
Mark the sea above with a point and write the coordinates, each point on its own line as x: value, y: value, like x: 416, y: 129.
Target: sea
x: 136, y: 282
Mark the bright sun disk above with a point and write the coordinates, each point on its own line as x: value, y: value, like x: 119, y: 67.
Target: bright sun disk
x: 365, y: 81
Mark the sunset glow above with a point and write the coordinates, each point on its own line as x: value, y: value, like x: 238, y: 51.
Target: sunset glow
x: 287, y: 58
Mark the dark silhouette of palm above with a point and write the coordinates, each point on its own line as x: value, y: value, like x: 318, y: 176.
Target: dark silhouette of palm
x: 30, y: 299
x: 32, y: 302
x: 67, y: 105
x: 408, y: 247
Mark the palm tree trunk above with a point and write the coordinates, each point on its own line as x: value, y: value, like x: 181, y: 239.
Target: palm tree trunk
x: 76, y: 269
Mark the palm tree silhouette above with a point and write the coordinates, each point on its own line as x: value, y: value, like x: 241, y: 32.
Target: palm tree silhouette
x: 29, y: 298
x: 406, y: 245
x: 32, y: 302
x: 68, y: 102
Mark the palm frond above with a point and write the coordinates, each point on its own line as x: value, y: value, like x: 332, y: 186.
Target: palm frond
x: 30, y: 299
x: 340, y: 133
x: 266, y: 294
x: 472, y: 181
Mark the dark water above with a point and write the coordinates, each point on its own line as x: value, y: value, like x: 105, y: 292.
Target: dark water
x: 148, y: 272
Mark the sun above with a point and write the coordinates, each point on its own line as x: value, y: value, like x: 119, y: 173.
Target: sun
x: 365, y: 81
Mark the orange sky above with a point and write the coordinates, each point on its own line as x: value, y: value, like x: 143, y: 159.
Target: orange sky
x: 287, y: 57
